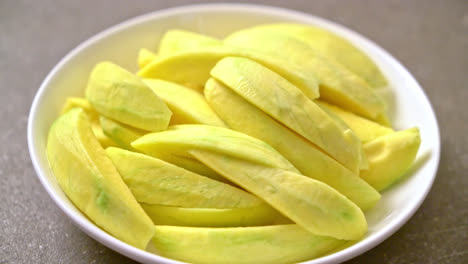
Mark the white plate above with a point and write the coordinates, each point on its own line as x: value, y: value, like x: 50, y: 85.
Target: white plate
x: 120, y: 45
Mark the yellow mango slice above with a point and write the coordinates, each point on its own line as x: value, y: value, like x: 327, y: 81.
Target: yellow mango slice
x: 187, y: 106
x: 90, y: 180
x: 242, y: 116
x: 287, y: 104
x: 176, y: 40
x: 213, y: 217
x: 73, y: 102
x: 390, y: 156
x: 118, y: 94
x: 311, y: 204
x: 337, y: 84
x: 245, y: 245
x: 365, y: 129
x: 335, y: 47
x: 192, y: 68
x: 145, y: 56
x: 121, y: 134
x: 180, y: 138
x: 153, y: 181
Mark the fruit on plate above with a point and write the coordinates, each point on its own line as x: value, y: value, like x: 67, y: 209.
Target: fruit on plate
x: 187, y: 106
x: 123, y: 135
x: 145, y: 56
x: 90, y: 180
x: 242, y: 116
x: 242, y: 245
x: 287, y: 104
x: 337, y: 84
x: 390, y: 156
x: 118, y: 94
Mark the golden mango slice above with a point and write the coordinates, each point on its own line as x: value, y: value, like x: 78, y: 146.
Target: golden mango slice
x: 287, y: 104
x: 335, y: 47
x: 337, y: 84
x: 390, y: 156
x: 187, y: 106
x: 153, y: 181
x: 214, y: 217
x: 312, y: 204
x: 176, y: 40
x: 145, y: 56
x: 242, y: 116
x: 244, y: 245
x: 121, y: 134
x: 91, y: 182
x: 118, y: 94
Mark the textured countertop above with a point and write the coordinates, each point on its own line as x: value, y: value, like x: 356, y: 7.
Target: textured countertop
x: 429, y: 37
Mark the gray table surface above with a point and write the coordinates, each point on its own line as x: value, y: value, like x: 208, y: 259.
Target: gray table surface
x: 429, y: 37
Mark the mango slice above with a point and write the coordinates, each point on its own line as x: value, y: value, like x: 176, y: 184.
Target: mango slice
x: 187, y: 106
x: 335, y: 47
x: 287, y: 104
x: 73, y: 102
x: 176, y: 40
x: 192, y: 68
x: 121, y: 134
x: 242, y: 116
x: 153, y: 181
x: 145, y: 56
x: 365, y: 129
x: 245, y: 245
x: 118, y: 94
x: 390, y: 156
x: 312, y: 204
x: 180, y: 138
x: 90, y: 180
x: 337, y: 84
x: 214, y: 217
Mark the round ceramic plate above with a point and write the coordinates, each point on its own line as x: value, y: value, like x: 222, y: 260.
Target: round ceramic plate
x: 121, y: 43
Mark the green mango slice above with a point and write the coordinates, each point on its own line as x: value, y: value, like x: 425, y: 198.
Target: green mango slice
x: 187, y: 106
x: 88, y: 177
x: 176, y: 40
x: 245, y: 245
x: 180, y: 138
x: 337, y: 84
x: 242, y: 116
x: 145, y: 56
x: 214, y: 217
x: 121, y: 134
x: 153, y: 181
x: 334, y: 47
x: 118, y: 94
x: 312, y: 204
x: 287, y: 104
x: 365, y: 129
x: 390, y: 156
x: 192, y: 68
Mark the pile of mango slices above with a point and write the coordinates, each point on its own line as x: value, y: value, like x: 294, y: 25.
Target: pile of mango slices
x: 264, y: 147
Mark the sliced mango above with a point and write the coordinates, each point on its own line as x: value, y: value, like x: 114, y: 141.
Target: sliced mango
x: 390, y: 156
x: 153, y: 181
x: 187, y: 106
x: 180, y: 138
x: 214, y: 217
x: 192, y: 68
x: 121, y: 134
x: 176, y: 40
x: 242, y: 116
x: 365, y: 129
x: 118, y: 94
x: 245, y: 245
x: 337, y: 84
x: 90, y: 180
x: 311, y: 204
x: 145, y: 56
x: 287, y: 104
x: 335, y: 47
